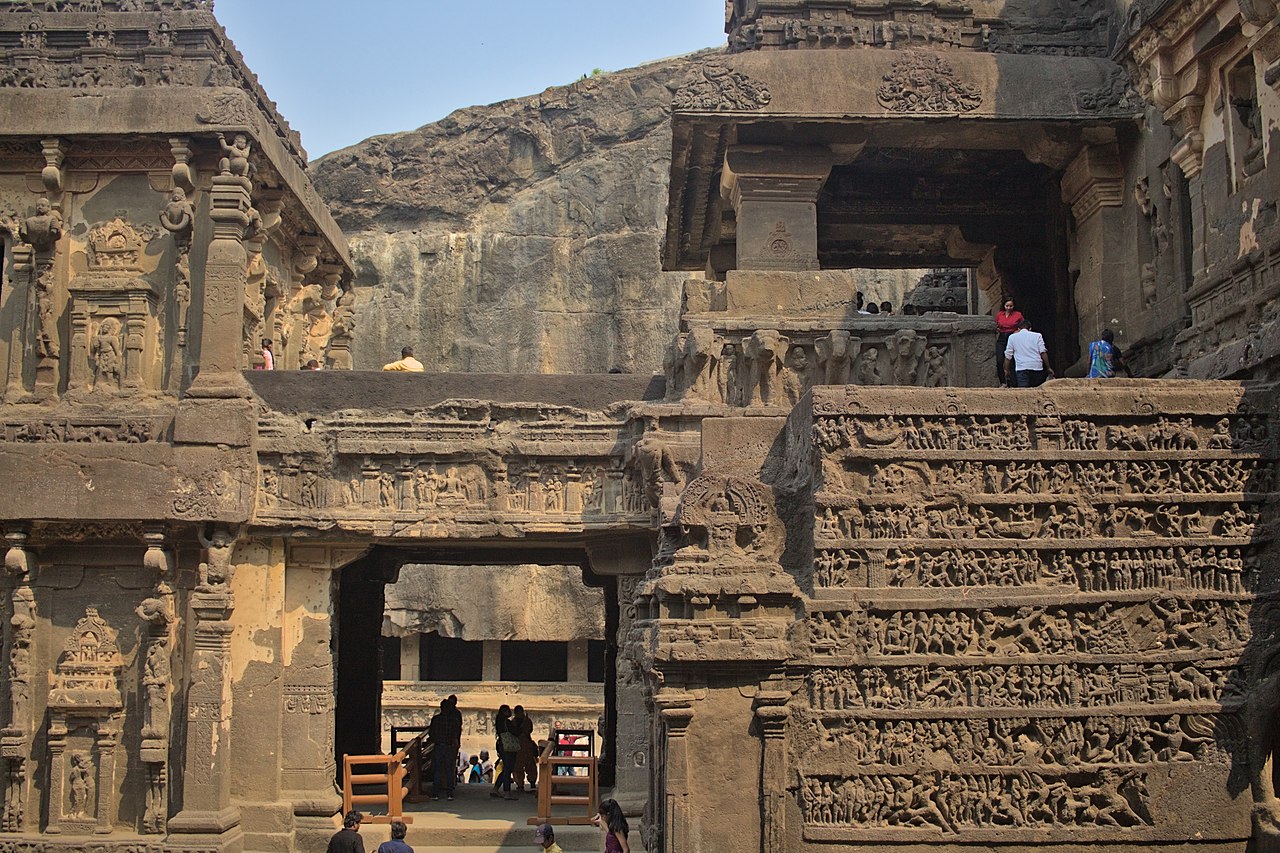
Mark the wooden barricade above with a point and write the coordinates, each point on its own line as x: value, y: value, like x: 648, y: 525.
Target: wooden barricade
x: 390, y: 774
x: 558, y: 766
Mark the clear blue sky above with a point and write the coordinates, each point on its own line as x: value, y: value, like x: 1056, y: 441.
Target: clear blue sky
x: 343, y: 71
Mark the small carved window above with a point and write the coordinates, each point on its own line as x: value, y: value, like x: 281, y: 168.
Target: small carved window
x: 1244, y: 121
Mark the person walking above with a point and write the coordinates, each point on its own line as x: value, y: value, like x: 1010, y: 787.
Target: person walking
x: 446, y: 739
x: 614, y: 823
x: 527, y: 757
x: 268, y: 357
x: 397, y: 843
x: 1027, y: 358
x: 347, y: 839
x: 1105, y: 358
x: 1007, y: 320
x: 508, y: 746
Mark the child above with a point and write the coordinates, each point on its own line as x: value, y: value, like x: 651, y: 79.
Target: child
x: 614, y: 824
x: 474, y: 774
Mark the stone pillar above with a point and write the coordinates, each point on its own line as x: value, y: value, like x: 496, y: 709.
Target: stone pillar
x: 578, y: 660
x: 1093, y: 186
x: 411, y: 657
x: 19, y: 341
x: 632, y: 725
x: 675, y: 708
x: 15, y: 737
x: 491, y: 669
x: 774, y: 191
x: 771, y: 716
x: 157, y: 613
x: 225, y: 272
x: 208, y: 819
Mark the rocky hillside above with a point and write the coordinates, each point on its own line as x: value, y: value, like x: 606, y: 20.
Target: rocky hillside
x: 517, y: 237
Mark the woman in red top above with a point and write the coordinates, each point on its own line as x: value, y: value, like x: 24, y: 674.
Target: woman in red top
x: 1007, y: 320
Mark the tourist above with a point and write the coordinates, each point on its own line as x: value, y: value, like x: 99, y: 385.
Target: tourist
x: 614, y: 823
x: 1007, y: 320
x: 886, y: 307
x: 527, y: 757
x: 446, y: 738
x: 1105, y: 358
x: 311, y: 365
x: 397, y: 843
x: 508, y: 746
x: 545, y: 837
x: 407, y: 362
x: 872, y: 308
x: 347, y: 839
x: 474, y: 774
x: 1027, y: 357
x: 268, y: 357
x: 486, y: 766
x: 909, y: 311
x: 859, y: 302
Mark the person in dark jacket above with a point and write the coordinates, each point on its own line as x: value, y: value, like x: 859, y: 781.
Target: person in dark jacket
x: 347, y: 839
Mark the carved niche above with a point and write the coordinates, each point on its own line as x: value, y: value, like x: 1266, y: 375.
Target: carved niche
x: 115, y: 329
x: 85, y: 715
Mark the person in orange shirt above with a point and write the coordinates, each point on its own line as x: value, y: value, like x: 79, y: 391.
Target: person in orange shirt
x: 1008, y: 318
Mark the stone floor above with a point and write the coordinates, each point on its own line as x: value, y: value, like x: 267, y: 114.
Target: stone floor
x: 477, y: 823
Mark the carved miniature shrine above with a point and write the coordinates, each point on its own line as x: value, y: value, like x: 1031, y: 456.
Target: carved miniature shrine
x: 856, y: 596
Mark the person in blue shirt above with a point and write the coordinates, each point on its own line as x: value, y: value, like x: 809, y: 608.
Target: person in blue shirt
x: 1104, y: 357
x: 396, y: 844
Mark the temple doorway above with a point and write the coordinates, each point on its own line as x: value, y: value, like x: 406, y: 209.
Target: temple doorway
x: 411, y: 630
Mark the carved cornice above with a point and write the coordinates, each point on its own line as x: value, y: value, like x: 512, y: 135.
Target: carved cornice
x: 1094, y: 180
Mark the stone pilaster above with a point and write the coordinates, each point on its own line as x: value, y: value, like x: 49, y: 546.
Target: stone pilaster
x: 771, y: 716
x: 775, y: 193
x: 675, y: 709
x: 157, y: 613
x: 1093, y: 186
x: 19, y: 339
x: 208, y: 819
x: 218, y: 373
x: 15, y: 738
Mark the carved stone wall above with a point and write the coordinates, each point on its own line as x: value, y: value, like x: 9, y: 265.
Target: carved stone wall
x: 1035, y: 617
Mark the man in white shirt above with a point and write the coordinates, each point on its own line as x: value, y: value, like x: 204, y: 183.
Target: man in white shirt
x: 1026, y: 358
x: 406, y: 363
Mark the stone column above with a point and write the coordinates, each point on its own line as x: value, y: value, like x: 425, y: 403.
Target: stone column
x: 19, y: 342
x: 774, y: 191
x: 157, y: 613
x: 1093, y: 186
x: 15, y: 737
x: 632, y: 724
x: 578, y: 663
x: 410, y: 657
x: 491, y: 668
x: 771, y: 715
x: 218, y: 371
x: 208, y: 819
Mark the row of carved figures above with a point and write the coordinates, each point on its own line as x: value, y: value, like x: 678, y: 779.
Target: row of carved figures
x: 988, y: 685
x: 1113, y: 478
x: 768, y: 369
x: 1164, y: 623
x: 1039, y: 742
x: 947, y: 520
x: 1231, y: 570
x: 952, y: 803
x: 835, y: 431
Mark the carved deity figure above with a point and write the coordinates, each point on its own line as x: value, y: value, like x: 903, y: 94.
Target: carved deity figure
x: 655, y: 466
x: 236, y: 161
x: 80, y: 784
x: 106, y: 353
x: 42, y: 231
x: 216, y: 570
x: 935, y: 368
x: 155, y: 680
x: 904, y: 350
x: 178, y: 218
x: 796, y: 374
x: 727, y: 383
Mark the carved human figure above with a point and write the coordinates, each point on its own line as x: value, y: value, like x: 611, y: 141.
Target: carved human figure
x: 236, y: 161
x: 42, y: 230
x: 80, y: 785
x: 935, y: 368
x: 655, y: 466
x: 905, y: 349
x: 866, y: 370
x: 155, y: 680
x: 216, y: 570
x: 796, y: 376
x: 106, y: 354
x: 727, y: 383
x: 178, y: 218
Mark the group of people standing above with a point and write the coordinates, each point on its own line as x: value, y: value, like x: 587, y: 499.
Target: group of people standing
x: 1022, y: 359
x: 517, y: 752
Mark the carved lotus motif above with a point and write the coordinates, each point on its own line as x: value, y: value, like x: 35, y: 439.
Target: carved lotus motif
x: 923, y: 82
x: 717, y: 88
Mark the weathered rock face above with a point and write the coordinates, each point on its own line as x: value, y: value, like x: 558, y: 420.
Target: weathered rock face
x: 521, y: 236
x: 546, y: 603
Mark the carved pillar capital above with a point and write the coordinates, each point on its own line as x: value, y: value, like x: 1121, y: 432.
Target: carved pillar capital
x: 774, y: 191
x: 18, y: 560
x: 54, y: 150
x: 1094, y: 180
